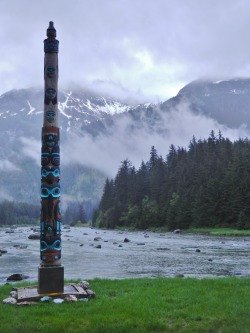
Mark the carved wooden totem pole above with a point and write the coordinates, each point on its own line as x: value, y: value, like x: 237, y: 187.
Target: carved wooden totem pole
x: 51, y: 272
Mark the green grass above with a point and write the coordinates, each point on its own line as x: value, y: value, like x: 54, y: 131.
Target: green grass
x: 140, y: 305
x: 220, y: 231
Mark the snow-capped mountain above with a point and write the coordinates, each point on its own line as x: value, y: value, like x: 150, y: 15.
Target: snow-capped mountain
x: 76, y: 108
x: 227, y: 101
x: 21, y: 120
x: 96, y: 118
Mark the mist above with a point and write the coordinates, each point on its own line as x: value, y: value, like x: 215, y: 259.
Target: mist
x: 177, y: 127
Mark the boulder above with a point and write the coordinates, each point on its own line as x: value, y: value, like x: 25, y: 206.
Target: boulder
x: 98, y: 246
x: 16, y: 277
x: 3, y: 251
x: 126, y: 240
x: 177, y: 231
x: 34, y: 236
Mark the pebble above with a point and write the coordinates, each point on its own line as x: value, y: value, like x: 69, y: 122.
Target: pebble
x: 9, y: 300
x: 58, y: 300
x: 46, y: 299
x: 84, y: 284
x: 71, y: 298
x: 13, y: 294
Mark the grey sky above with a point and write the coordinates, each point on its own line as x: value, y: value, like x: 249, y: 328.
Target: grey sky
x: 146, y: 49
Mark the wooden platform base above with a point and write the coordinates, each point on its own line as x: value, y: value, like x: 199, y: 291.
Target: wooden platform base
x: 31, y: 293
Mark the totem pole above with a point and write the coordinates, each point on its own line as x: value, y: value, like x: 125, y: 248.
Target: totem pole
x: 50, y: 272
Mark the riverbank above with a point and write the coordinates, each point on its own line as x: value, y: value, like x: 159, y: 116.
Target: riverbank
x: 204, y: 231
x: 219, y: 231
x: 140, y: 305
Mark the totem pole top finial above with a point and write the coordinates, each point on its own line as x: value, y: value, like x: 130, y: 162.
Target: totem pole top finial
x: 51, y: 44
x: 51, y: 31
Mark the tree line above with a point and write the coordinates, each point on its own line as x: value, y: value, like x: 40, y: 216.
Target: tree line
x: 204, y: 185
x: 20, y: 213
x: 14, y: 213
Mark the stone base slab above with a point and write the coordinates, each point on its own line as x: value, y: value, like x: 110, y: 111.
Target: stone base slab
x: 32, y: 294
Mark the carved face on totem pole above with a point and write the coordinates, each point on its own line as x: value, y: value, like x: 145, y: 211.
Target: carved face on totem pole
x: 50, y: 96
x: 50, y: 246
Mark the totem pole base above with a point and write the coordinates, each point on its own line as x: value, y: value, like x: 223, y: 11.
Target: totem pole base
x: 50, y: 279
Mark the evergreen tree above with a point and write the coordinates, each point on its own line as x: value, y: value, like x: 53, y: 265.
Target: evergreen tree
x: 207, y: 185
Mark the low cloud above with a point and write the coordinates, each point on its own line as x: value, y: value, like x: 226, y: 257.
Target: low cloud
x: 105, y: 152
x: 5, y: 196
x: 6, y: 165
x: 31, y: 148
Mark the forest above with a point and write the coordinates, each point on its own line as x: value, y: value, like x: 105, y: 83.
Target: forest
x: 14, y: 213
x: 20, y: 213
x: 206, y: 184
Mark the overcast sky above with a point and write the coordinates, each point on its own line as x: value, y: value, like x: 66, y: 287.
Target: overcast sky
x: 146, y: 49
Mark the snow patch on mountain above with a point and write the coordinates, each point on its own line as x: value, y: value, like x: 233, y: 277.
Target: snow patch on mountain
x: 31, y: 108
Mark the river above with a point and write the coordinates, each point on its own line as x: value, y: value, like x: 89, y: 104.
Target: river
x: 147, y: 254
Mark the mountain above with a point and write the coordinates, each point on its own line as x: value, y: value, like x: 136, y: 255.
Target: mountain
x: 226, y: 101
x: 88, y: 120
x: 21, y: 118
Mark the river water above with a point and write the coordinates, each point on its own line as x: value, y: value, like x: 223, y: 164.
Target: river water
x: 147, y: 254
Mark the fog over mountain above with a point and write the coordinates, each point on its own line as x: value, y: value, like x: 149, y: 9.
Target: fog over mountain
x: 98, y: 132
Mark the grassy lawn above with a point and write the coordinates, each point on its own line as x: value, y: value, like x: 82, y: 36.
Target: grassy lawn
x: 140, y: 305
x: 220, y: 231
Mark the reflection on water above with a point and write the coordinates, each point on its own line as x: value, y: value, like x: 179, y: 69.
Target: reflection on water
x: 146, y: 255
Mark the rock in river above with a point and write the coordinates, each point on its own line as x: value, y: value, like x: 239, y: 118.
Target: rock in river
x: 126, y: 240
x: 17, y: 277
x: 34, y: 236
